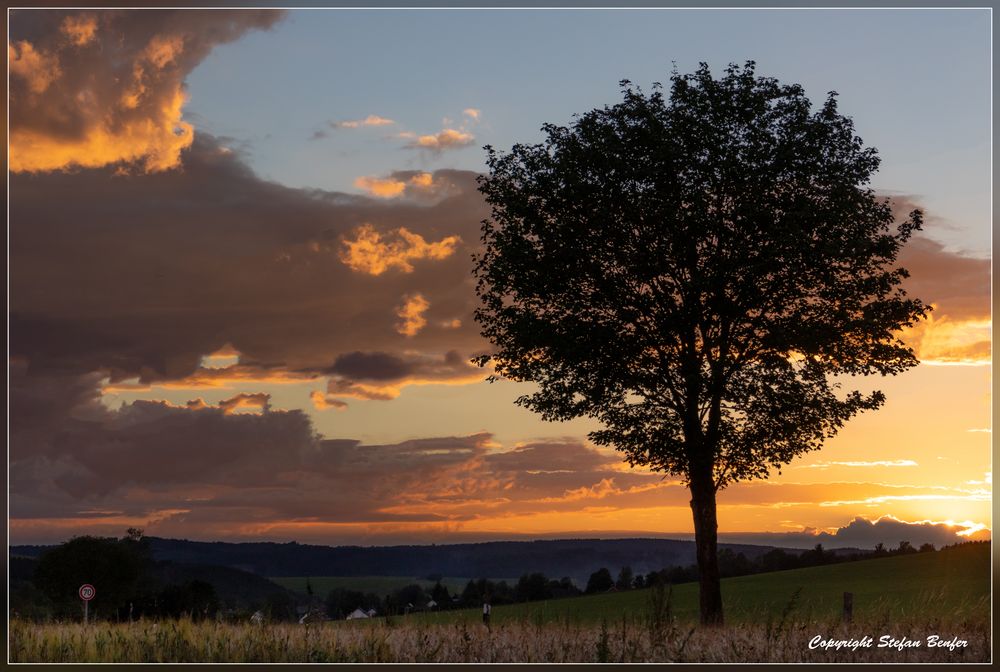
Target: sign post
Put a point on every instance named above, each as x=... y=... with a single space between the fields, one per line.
x=87 y=593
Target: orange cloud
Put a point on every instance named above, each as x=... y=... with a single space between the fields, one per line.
x=38 y=69
x=117 y=104
x=370 y=120
x=945 y=340
x=158 y=143
x=224 y=357
x=419 y=185
x=412 y=314
x=206 y=377
x=259 y=401
x=163 y=50
x=448 y=138
x=156 y=137
x=424 y=180
x=382 y=188
x=861 y=463
x=81 y=29
x=370 y=253
x=322 y=402
x=472 y=113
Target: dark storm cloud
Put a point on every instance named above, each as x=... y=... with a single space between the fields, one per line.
x=380 y=375
x=372 y=366
x=211 y=468
x=959 y=285
x=143 y=275
x=550 y=457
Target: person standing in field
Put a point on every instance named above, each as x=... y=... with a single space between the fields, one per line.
x=486 y=611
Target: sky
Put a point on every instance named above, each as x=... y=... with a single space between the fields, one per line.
x=240 y=290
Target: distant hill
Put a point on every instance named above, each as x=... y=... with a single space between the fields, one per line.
x=575 y=558
x=234 y=587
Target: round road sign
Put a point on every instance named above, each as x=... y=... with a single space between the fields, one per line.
x=87 y=592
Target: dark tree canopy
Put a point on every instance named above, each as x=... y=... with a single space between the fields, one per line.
x=700 y=275
x=113 y=566
x=696 y=273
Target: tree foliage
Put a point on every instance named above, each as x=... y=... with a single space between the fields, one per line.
x=113 y=566
x=600 y=581
x=698 y=268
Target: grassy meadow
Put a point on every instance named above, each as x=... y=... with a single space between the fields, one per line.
x=770 y=617
x=948 y=583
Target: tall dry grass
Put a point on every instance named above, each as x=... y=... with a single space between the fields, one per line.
x=624 y=640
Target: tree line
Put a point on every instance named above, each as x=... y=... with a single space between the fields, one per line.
x=131 y=585
x=534 y=587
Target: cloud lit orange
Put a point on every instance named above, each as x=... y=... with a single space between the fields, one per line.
x=448 y=138
x=38 y=69
x=372 y=253
x=80 y=29
x=941 y=339
x=411 y=314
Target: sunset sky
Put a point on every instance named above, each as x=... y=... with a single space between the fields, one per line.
x=240 y=278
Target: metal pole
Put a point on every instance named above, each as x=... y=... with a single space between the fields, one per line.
x=848 y=607
x=86 y=610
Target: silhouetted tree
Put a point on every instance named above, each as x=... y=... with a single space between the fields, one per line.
x=777 y=560
x=624 y=581
x=440 y=594
x=600 y=581
x=815 y=556
x=696 y=274
x=531 y=587
x=564 y=587
x=113 y=566
x=341 y=601
x=733 y=564
x=927 y=548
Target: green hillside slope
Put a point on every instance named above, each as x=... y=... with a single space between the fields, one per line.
x=952 y=583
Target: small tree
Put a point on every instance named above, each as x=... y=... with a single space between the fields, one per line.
x=699 y=275
x=600 y=581
x=624 y=581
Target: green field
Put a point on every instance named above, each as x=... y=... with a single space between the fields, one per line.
x=948 y=584
x=379 y=585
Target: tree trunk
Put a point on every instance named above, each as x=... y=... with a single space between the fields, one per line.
x=706 y=537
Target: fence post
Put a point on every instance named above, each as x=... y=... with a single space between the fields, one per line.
x=848 y=607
